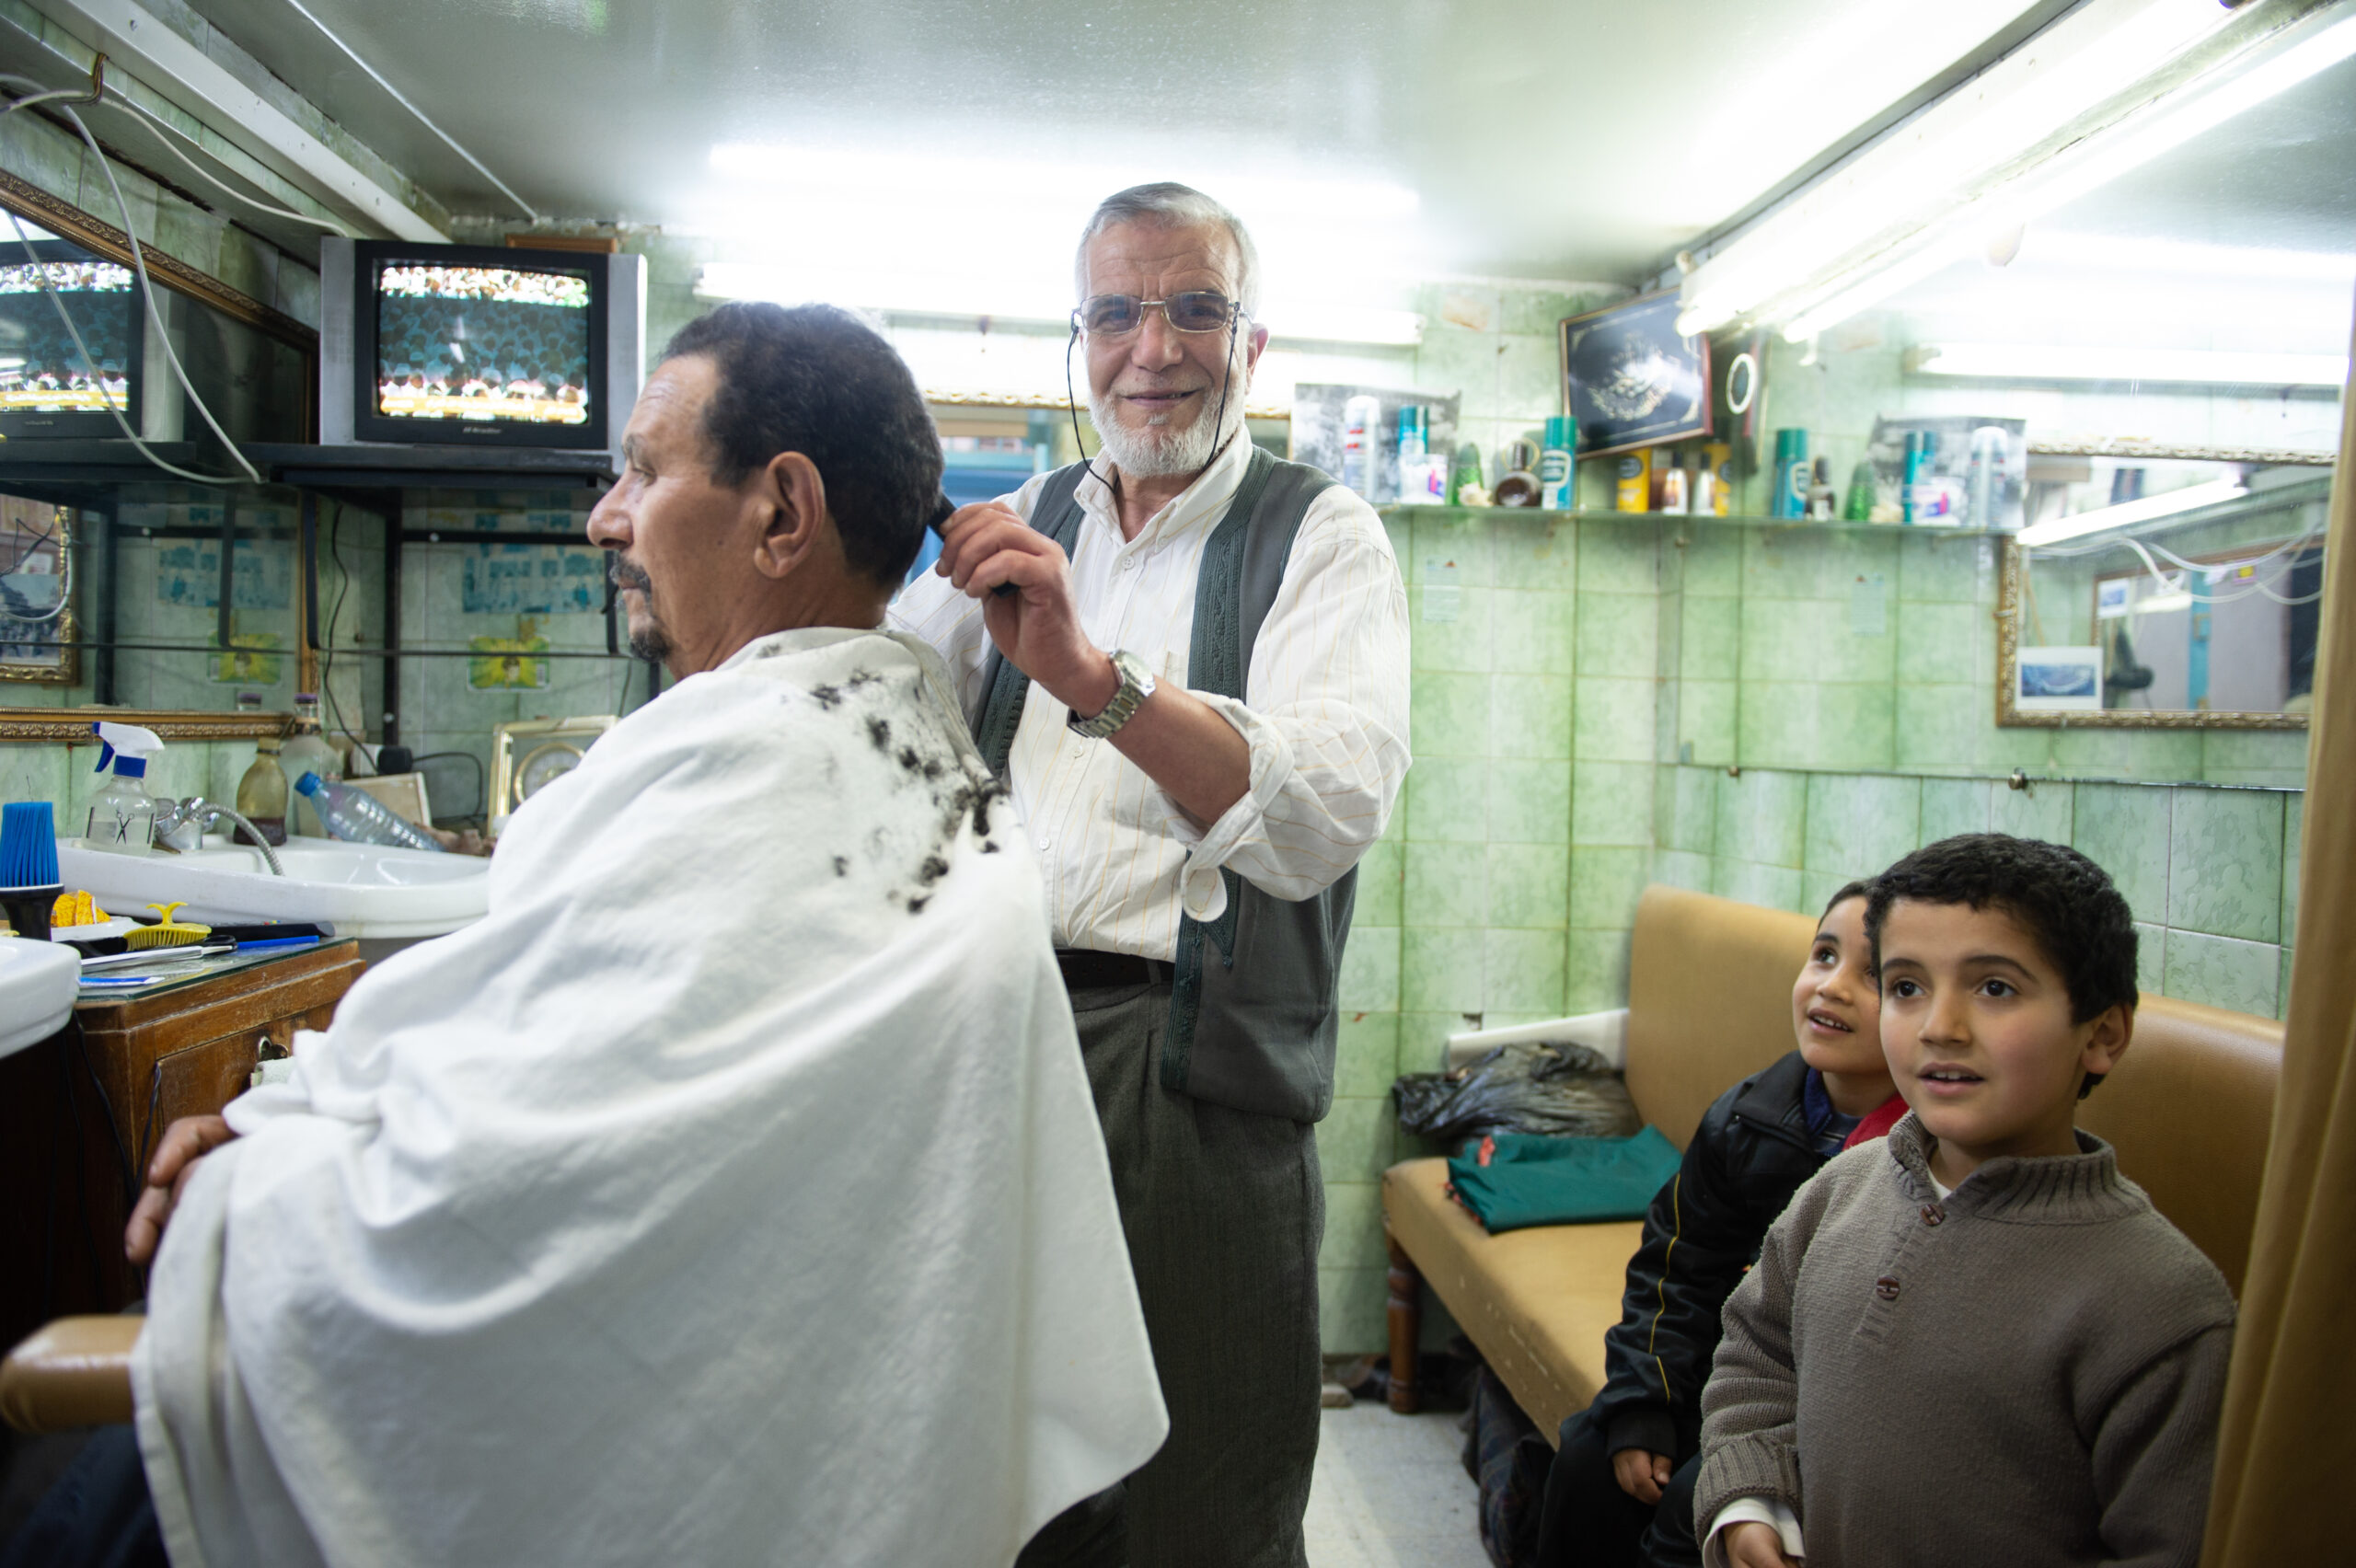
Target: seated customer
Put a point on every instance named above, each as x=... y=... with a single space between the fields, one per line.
x=731 y=1192
x=1621 y=1487
x=1979 y=1343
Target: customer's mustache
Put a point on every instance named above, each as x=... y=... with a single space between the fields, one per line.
x=626 y=576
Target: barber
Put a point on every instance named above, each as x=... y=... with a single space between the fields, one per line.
x=1197 y=690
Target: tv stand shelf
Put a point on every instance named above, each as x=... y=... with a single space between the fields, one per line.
x=457 y=467
x=52 y=463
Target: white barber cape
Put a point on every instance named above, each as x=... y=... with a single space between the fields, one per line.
x=730 y=1194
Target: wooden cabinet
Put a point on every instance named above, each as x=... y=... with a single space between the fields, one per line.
x=80 y=1112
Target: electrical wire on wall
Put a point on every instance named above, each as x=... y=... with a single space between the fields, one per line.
x=64 y=99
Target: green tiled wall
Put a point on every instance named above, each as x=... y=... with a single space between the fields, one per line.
x=2210 y=871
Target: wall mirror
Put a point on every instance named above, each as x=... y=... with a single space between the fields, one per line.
x=121 y=585
x=2194 y=605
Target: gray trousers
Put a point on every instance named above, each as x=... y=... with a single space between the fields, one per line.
x=1223 y=1210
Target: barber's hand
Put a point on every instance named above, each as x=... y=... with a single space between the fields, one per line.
x=1753 y=1545
x=185 y=1143
x=1037 y=626
x=1641 y=1474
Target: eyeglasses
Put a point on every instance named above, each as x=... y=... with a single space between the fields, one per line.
x=1120 y=316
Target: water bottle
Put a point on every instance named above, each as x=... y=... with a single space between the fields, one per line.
x=358 y=817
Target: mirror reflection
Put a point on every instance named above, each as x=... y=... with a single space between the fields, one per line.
x=2195 y=590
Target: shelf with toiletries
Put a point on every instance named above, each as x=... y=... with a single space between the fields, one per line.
x=1447 y=515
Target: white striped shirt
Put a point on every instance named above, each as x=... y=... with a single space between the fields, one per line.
x=1324 y=713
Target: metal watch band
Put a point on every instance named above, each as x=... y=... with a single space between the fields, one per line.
x=1136 y=685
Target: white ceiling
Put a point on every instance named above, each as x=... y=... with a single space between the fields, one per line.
x=1573 y=139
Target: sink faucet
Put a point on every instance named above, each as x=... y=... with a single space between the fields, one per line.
x=180 y=827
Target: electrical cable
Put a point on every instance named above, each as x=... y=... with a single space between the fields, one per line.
x=156 y=125
x=147 y=291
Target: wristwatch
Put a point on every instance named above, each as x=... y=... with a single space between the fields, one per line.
x=1136 y=685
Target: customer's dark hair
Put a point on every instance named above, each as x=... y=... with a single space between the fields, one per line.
x=2062 y=900
x=816 y=379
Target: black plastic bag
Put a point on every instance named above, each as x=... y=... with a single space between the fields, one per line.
x=1559 y=1090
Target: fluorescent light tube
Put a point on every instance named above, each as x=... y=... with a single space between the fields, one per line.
x=1927 y=194
x=2161 y=604
x=2166 y=504
x=1023 y=299
x=2055 y=362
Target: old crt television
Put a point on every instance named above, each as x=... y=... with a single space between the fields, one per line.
x=470 y=345
x=48 y=388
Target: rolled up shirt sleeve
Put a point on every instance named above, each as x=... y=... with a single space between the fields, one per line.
x=1326 y=718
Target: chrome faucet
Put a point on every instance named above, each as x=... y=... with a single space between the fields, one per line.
x=180 y=827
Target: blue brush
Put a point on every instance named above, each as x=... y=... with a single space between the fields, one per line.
x=29 y=883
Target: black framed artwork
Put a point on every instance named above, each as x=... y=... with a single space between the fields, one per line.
x=1631 y=380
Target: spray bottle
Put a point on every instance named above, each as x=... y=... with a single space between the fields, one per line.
x=122 y=813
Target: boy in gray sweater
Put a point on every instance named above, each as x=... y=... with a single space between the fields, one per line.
x=1976 y=1342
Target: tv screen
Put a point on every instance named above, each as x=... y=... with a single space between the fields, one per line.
x=463 y=344
x=48 y=387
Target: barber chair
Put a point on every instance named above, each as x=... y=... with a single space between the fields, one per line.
x=72 y=1372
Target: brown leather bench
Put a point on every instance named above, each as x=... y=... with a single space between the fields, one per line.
x=1709 y=1002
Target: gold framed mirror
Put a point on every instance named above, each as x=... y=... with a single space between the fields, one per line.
x=2208 y=624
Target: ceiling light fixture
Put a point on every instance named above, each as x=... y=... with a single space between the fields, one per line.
x=2055 y=362
x=1023 y=299
x=2166 y=504
x=2104 y=90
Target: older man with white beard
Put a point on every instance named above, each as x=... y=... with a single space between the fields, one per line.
x=1189 y=661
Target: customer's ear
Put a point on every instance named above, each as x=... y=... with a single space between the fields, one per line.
x=793 y=496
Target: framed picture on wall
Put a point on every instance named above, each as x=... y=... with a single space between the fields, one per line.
x=2059 y=680
x=35 y=593
x=1631 y=381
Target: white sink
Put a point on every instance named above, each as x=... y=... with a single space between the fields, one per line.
x=38 y=984
x=362 y=890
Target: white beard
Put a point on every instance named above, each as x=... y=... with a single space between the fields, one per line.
x=1159 y=449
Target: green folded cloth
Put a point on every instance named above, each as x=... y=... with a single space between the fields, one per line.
x=1532 y=1180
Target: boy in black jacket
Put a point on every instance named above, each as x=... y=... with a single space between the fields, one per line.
x=1620 y=1492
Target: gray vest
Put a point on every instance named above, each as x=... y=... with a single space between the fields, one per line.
x=1253 y=1025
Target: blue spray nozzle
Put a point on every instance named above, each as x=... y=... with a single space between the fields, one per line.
x=127 y=747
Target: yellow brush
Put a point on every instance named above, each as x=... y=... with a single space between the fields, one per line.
x=167 y=932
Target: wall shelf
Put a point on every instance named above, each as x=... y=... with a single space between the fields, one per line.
x=1451 y=514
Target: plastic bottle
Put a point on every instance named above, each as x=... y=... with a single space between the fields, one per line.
x=1415 y=464
x=122 y=820
x=1791 y=474
x=1359 y=417
x=1915 y=496
x=1673 y=489
x=306 y=751
x=1634 y=492
x=1465 y=475
x=357 y=817
x=1557 y=470
x=1823 y=502
x=261 y=793
x=1863 y=494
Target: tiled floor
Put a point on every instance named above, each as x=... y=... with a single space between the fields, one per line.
x=1390 y=1492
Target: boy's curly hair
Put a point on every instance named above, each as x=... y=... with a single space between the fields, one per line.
x=2062 y=900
